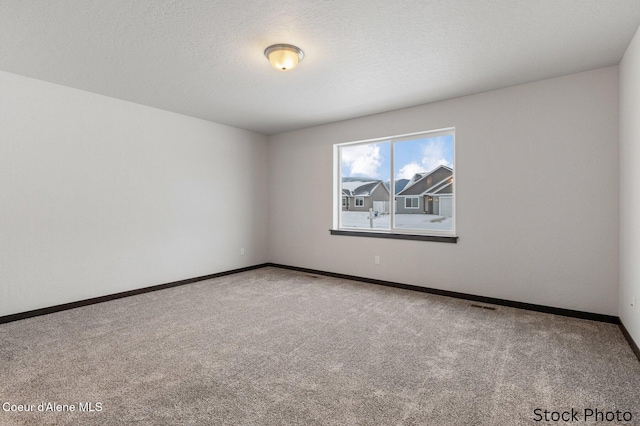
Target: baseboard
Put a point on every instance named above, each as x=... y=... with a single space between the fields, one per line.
x=94 y=300
x=520 y=305
x=490 y=300
x=632 y=343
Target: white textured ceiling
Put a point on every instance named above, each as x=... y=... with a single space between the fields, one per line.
x=204 y=58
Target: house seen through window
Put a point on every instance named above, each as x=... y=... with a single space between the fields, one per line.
x=402 y=184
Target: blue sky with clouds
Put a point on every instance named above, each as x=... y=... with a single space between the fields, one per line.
x=414 y=156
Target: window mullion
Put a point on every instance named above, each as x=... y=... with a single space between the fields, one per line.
x=339 y=213
x=392 y=187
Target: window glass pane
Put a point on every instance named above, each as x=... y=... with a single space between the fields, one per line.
x=423 y=171
x=364 y=174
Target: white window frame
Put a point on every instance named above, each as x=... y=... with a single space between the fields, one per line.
x=411 y=197
x=360 y=203
x=337 y=186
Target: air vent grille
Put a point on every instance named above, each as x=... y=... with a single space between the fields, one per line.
x=490 y=308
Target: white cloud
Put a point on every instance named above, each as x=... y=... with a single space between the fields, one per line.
x=409 y=170
x=431 y=163
x=362 y=160
x=434 y=154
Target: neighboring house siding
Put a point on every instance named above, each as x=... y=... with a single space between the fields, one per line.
x=426 y=201
x=363 y=208
x=349 y=204
x=368 y=194
x=401 y=209
x=447 y=190
x=381 y=193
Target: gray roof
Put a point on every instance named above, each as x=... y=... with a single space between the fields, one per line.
x=359 y=188
x=419 y=177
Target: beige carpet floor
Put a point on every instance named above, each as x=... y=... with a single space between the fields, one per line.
x=278 y=347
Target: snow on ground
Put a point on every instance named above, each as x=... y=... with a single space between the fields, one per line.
x=405 y=221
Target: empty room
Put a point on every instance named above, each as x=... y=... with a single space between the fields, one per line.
x=319 y=212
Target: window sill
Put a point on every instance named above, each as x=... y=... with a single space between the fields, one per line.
x=414 y=237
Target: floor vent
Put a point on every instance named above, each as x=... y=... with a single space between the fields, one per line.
x=491 y=308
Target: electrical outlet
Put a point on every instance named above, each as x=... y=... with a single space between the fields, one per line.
x=242 y=251
x=376 y=259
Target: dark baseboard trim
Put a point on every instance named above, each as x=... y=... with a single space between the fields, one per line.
x=632 y=343
x=491 y=300
x=94 y=300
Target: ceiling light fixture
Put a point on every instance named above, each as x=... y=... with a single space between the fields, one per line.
x=284 y=57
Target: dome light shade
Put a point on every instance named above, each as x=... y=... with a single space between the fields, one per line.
x=284 y=57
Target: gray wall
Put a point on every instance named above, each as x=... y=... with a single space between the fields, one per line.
x=630 y=188
x=512 y=146
x=99 y=196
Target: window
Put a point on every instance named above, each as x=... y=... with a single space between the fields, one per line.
x=413 y=174
x=411 y=202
